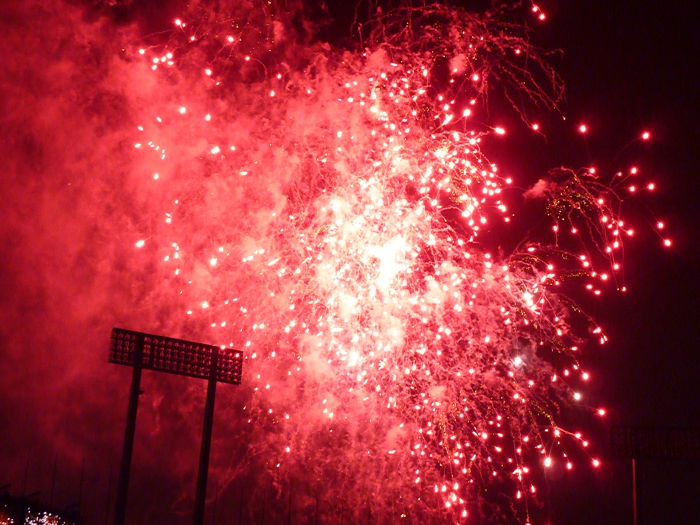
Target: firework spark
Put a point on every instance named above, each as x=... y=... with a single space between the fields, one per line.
x=331 y=211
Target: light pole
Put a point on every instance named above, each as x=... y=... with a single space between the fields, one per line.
x=175 y=356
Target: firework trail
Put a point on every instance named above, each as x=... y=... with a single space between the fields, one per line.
x=330 y=212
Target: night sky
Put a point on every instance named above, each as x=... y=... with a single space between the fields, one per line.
x=66 y=279
x=631 y=65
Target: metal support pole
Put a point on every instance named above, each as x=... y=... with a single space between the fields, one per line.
x=129 y=431
x=203 y=472
x=634 y=491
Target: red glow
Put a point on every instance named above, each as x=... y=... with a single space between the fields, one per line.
x=334 y=225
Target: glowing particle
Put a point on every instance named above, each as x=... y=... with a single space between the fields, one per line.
x=372 y=278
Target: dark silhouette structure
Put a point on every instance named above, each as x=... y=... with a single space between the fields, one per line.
x=659 y=443
x=186 y=358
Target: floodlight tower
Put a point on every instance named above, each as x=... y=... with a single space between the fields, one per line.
x=174 y=356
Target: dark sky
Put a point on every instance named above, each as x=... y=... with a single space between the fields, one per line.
x=632 y=65
x=628 y=66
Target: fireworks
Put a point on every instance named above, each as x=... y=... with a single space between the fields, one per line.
x=331 y=212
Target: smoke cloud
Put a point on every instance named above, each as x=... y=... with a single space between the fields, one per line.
x=224 y=173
